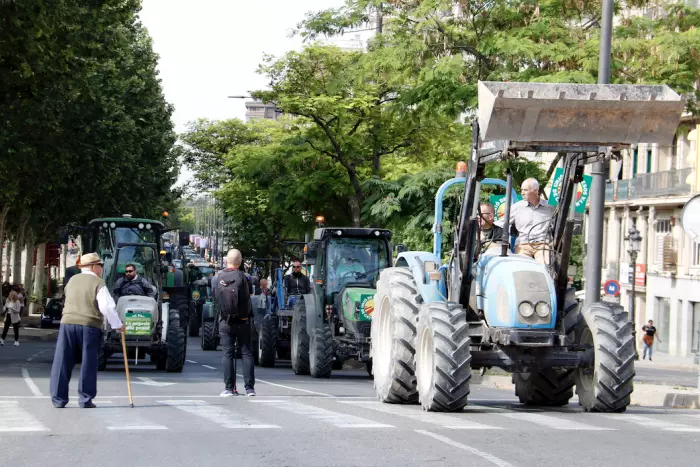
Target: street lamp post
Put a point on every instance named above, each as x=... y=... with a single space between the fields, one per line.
x=635 y=242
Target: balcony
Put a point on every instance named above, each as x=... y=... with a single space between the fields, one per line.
x=659 y=184
x=668 y=183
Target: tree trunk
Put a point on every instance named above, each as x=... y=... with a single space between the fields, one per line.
x=40 y=279
x=3 y=216
x=355 y=210
x=17 y=248
x=29 y=264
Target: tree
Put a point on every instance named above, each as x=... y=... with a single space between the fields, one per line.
x=353 y=102
x=86 y=130
x=505 y=40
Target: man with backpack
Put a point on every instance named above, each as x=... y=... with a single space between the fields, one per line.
x=232 y=290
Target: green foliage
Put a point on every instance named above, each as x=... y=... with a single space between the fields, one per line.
x=355 y=109
x=274 y=185
x=86 y=130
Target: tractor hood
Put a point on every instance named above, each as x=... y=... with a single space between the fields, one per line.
x=357 y=303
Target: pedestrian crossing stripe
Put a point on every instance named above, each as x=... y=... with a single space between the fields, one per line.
x=17 y=417
x=556 y=423
x=337 y=419
x=415 y=413
x=14 y=418
x=216 y=414
x=651 y=422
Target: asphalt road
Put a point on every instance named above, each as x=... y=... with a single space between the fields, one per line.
x=179 y=419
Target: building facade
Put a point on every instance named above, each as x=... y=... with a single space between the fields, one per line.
x=257 y=110
x=647 y=189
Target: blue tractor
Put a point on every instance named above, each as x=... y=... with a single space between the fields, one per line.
x=436 y=319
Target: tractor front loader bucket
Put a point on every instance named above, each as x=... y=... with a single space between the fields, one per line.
x=596 y=114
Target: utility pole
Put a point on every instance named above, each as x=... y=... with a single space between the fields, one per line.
x=594 y=263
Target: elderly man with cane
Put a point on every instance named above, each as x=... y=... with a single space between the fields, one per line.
x=88 y=303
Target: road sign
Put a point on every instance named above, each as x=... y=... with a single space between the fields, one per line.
x=612 y=287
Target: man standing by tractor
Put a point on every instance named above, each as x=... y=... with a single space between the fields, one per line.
x=88 y=303
x=296 y=283
x=133 y=284
x=232 y=291
x=531 y=217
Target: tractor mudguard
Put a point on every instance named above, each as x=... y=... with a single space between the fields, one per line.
x=314 y=313
x=431 y=290
x=208 y=312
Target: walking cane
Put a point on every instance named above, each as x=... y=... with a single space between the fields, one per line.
x=126 y=366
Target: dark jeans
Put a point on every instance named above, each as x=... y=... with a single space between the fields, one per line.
x=8 y=321
x=229 y=333
x=73 y=338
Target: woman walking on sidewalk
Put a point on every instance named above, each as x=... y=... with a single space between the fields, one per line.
x=649 y=333
x=11 y=310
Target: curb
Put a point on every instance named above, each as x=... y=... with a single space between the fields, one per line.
x=644 y=395
x=49 y=335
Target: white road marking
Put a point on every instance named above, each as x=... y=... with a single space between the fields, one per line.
x=14 y=418
x=650 y=422
x=484 y=455
x=415 y=413
x=96 y=401
x=210 y=367
x=336 y=419
x=28 y=379
x=200 y=396
x=553 y=422
x=290 y=387
x=190 y=361
x=218 y=415
x=123 y=419
x=150 y=382
x=137 y=427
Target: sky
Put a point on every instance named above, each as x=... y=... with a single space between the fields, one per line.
x=210 y=49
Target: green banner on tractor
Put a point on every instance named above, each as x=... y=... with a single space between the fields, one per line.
x=582 y=190
x=138 y=324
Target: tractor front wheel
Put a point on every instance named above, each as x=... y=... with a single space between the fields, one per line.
x=606 y=385
x=300 y=340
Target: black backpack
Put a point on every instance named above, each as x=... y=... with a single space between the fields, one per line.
x=231 y=295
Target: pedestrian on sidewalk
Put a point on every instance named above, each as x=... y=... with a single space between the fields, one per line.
x=649 y=334
x=88 y=303
x=11 y=312
x=232 y=291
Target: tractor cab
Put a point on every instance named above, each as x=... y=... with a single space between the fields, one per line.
x=155 y=324
x=345 y=266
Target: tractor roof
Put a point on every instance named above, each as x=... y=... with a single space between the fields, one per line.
x=350 y=232
x=127 y=221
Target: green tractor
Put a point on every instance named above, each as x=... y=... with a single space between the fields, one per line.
x=154 y=324
x=333 y=323
x=198 y=276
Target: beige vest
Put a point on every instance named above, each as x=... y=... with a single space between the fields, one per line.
x=81 y=301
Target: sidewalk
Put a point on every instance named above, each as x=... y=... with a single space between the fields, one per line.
x=667 y=362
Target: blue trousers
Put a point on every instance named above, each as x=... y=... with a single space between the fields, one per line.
x=73 y=338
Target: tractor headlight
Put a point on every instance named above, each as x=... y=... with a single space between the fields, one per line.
x=526 y=309
x=542 y=309
x=141 y=226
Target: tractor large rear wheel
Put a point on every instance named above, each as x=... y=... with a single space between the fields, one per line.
x=209 y=335
x=393 y=336
x=443 y=357
x=195 y=320
x=176 y=346
x=267 y=342
x=300 y=340
x=321 y=352
x=552 y=387
x=607 y=385
x=548 y=387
